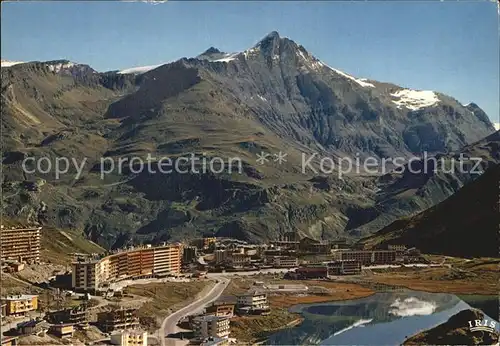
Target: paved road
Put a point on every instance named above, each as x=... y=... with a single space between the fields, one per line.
x=169 y=325
x=255 y=272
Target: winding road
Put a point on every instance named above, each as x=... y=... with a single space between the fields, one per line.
x=169 y=325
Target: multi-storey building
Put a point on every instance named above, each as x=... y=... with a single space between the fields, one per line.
x=86 y=274
x=238 y=259
x=220 y=309
x=130 y=338
x=211 y=326
x=347 y=267
x=221 y=256
x=119 y=319
x=91 y=273
x=20 y=305
x=396 y=247
x=76 y=315
x=308 y=245
x=285 y=262
x=167 y=259
x=255 y=300
x=189 y=254
x=367 y=257
x=21 y=244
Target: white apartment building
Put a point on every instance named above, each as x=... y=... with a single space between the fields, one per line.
x=211 y=326
x=285 y=262
x=220 y=256
x=255 y=300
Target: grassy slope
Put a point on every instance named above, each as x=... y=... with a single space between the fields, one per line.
x=57 y=245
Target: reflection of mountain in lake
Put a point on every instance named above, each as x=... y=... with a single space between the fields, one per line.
x=384 y=318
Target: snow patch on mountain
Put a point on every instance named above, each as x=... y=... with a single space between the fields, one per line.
x=139 y=69
x=7 y=63
x=414 y=99
x=262 y=98
x=227 y=57
x=361 y=82
x=60 y=66
x=249 y=53
x=316 y=64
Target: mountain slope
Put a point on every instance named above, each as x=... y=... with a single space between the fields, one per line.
x=274 y=97
x=464 y=225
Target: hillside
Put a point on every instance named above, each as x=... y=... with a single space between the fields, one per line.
x=58 y=245
x=455 y=331
x=464 y=225
x=273 y=97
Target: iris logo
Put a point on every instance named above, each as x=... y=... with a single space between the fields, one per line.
x=484 y=325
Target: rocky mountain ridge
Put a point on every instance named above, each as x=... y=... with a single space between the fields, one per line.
x=274 y=97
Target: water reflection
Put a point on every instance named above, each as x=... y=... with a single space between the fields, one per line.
x=381 y=319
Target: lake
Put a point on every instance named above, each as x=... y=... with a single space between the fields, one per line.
x=382 y=319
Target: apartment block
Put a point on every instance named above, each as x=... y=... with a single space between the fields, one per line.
x=167 y=259
x=21 y=244
x=367 y=257
x=86 y=274
x=91 y=273
x=76 y=315
x=254 y=300
x=238 y=259
x=396 y=247
x=347 y=267
x=220 y=309
x=119 y=319
x=130 y=338
x=20 y=305
x=211 y=326
x=221 y=256
x=285 y=262
x=189 y=254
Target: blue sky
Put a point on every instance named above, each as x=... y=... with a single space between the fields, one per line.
x=451 y=47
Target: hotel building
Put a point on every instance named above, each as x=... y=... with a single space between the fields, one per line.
x=92 y=273
x=21 y=244
x=211 y=326
x=367 y=257
x=254 y=300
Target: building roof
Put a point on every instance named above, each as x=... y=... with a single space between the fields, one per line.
x=211 y=341
x=62 y=325
x=20 y=297
x=30 y=323
x=209 y=318
x=252 y=293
